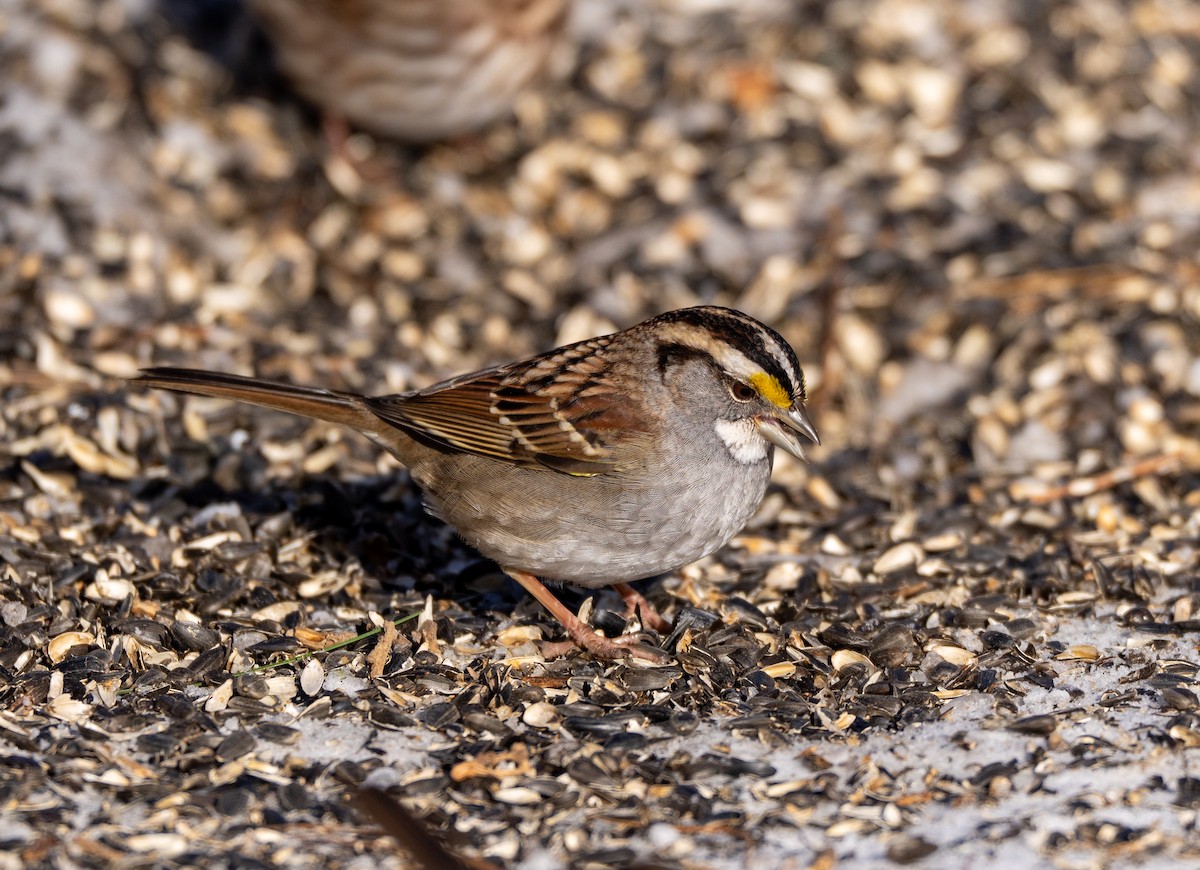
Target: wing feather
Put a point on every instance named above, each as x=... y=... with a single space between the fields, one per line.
x=558 y=410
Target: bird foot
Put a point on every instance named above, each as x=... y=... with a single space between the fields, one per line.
x=583 y=636
x=636 y=605
x=606 y=649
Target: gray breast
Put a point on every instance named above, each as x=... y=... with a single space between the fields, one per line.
x=596 y=531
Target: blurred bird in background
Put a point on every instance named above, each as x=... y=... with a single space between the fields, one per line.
x=415 y=70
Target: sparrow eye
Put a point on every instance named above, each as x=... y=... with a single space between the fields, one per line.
x=742 y=392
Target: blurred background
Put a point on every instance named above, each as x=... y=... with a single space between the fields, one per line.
x=907 y=190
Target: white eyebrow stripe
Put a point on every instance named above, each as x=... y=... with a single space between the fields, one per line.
x=770 y=343
x=728 y=357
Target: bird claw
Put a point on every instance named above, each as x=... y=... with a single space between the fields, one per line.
x=607 y=649
x=636 y=605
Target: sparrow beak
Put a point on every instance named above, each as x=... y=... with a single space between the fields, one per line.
x=784 y=430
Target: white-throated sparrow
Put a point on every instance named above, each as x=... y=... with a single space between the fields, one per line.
x=418 y=70
x=610 y=460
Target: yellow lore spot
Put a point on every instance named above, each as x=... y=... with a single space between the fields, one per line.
x=769 y=388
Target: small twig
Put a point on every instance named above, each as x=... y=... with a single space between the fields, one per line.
x=299 y=657
x=382 y=653
x=827 y=350
x=1031 y=291
x=422 y=845
x=1083 y=486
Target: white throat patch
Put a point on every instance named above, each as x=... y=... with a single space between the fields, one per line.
x=746 y=444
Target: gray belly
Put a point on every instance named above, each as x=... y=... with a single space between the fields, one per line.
x=591 y=531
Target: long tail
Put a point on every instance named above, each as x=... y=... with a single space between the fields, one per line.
x=347 y=409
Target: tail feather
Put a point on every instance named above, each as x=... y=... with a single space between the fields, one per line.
x=347 y=409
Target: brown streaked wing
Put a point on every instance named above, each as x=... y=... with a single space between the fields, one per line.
x=578 y=432
x=456 y=414
x=556 y=410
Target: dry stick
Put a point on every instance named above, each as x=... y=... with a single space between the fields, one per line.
x=379 y=657
x=299 y=657
x=827 y=342
x=1081 y=486
x=421 y=844
x=1030 y=291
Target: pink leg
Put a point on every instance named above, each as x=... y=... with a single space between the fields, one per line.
x=583 y=635
x=637 y=605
